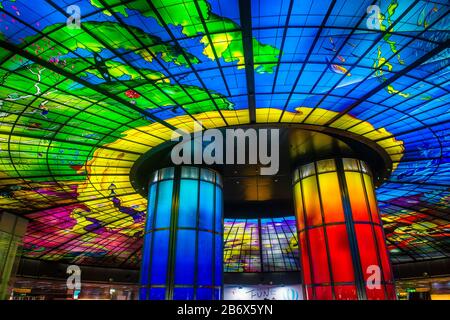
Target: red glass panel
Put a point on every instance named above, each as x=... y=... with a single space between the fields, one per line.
x=369 y=262
x=330 y=193
x=318 y=255
x=312 y=202
x=357 y=196
x=309 y=293
x=385 y=262
x=304 y=252
x=367 y=248
x=391 y=292
x=323 y=293
x=340 y=256
x=375 y=293
x=345 y=292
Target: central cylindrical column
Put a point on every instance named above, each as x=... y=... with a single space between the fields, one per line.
x=182 y=257
x=342 y=244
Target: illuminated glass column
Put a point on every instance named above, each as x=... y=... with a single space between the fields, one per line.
x=182 y=254
x=342 y=245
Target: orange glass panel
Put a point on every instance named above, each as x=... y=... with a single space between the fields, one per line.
x=330 y=193
x=340 y=256
x=357 y=197
x=371 y=198
x=312 y=202
x=299 y=207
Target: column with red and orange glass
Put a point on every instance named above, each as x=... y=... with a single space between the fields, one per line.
x=343 y=249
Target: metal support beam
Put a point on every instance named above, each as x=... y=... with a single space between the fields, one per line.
x=245 y=16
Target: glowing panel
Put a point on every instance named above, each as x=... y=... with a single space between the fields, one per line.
x=181 y=257
x=342 y=256
x=257 y=245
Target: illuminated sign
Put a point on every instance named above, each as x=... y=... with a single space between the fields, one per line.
x=263 y=292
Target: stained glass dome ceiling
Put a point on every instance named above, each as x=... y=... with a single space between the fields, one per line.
x=87 y=89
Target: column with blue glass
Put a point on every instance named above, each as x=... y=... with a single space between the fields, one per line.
x=182 y=257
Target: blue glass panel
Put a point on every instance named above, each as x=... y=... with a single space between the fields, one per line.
x=219 y=210
x=205 y=260
x=206 y=205
x=217 y=294
x=151 y=208
x=187 y=216
x=157 y=293
x=159 y=257
x=204 y=294
x=218 y=260
x=146 y=258
x=183 y=294
x=143 y=293
x=164 y=205
x=185 y=257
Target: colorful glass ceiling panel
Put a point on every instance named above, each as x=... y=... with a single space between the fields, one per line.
x=87 y=87
x=261 y=245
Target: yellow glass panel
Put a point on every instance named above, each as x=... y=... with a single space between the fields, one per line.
x=343 y=123
x=312 y=202
x=299 y=207
x=361 y=128
x=381 y=133
x=330 y=193
x=297 y=116
x=262 y=115
x=357 y=197
x=320 y=116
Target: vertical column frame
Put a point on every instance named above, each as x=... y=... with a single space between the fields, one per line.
x=324 y=227
x=173 y=233
x=359 y=277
